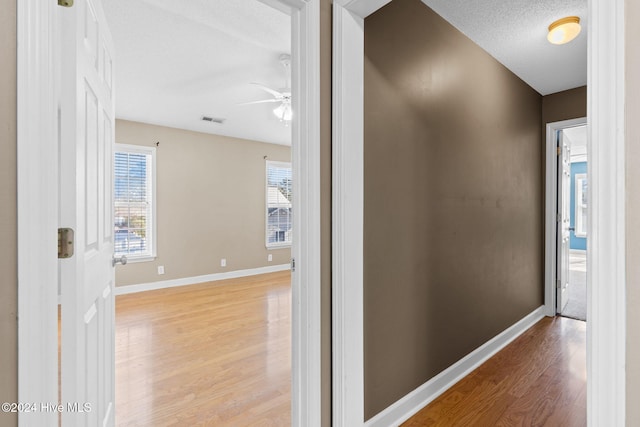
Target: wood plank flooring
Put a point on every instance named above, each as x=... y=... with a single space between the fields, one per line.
x=205 y=355
x=540 y=379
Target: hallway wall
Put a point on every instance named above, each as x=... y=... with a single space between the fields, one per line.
x=453 y=230
x=565 y=105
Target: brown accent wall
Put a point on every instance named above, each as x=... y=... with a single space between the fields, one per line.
x=453 y=229
x=632 y=58
x=210 y=203
x=8 y=214
x=565 y=105
x=325 y=204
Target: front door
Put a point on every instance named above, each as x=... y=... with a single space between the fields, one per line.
x=86 y=114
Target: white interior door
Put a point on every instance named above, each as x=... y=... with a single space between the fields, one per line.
x=564 y=223
x=87 y=278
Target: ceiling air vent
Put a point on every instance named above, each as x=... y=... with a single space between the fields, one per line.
x=213 y=119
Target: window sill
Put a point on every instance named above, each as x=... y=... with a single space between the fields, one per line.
x=137 y=259
x=279 y=246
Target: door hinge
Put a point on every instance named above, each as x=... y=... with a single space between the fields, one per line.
x=559 y=284
x=293 y=264
x=65 y=3
x=558 y=150
x=65 y=242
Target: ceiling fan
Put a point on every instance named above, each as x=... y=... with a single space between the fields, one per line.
x=283 y=96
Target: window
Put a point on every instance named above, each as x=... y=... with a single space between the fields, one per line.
x=134 y=202
x=581 y=204
x=279 y=198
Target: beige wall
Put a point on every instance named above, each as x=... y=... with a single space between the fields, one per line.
x=632 y=211
x=453 y=225
x=8 y=223
x=210 y=203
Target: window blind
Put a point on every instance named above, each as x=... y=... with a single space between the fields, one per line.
x=133 y=203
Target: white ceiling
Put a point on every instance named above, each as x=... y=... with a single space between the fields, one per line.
x=515 y=33
x=177 y=61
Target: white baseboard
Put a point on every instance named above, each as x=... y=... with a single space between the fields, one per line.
x=130 y=289
x=410 y=404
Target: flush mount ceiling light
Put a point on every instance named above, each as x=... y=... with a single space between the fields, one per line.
x=564 y=30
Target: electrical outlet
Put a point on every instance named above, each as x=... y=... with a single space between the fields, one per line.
x=223 y=262
x=270 y=257
x=161 y=269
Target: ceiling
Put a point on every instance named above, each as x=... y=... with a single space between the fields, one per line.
x=515 y=33
x=177 y=61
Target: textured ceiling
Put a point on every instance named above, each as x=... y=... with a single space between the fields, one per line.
x=177 y=61
x=515 y=33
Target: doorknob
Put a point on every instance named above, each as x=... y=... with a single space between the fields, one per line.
x=122 y=260
x=571 y=229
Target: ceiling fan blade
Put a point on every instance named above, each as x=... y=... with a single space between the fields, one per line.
x=260 y=102
x=269 y=90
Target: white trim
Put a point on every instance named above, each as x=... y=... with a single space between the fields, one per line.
x=306 y=362
x=606 y=287
x=37 y=204
x=37 y=175
x=186 y=281
x=579 y=158
x=551 y=209
x=606 y=306
x=347 y=227
x=410 y=404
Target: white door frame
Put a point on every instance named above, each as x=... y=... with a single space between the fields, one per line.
x=551 y=209
x=606 y=308
x=37 y=163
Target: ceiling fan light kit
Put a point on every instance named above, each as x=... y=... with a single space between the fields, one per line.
x=564 y=30
x=283 y=111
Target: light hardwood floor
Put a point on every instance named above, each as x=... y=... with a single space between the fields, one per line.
x=205 y=355
x=538 y=380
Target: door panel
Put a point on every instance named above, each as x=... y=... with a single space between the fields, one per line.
x=87 y=279
x=564 y=223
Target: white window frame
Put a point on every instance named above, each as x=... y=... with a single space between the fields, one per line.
x=273 y=245
x=152 y=229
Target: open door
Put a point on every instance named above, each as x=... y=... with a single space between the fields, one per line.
x=564 y=221
x=86 y=114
